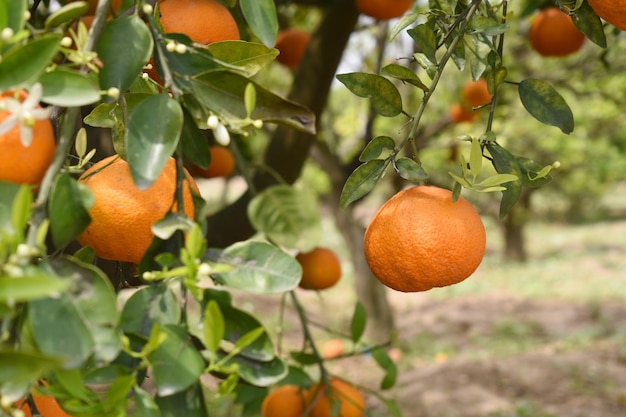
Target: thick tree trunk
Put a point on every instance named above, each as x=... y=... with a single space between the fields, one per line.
x=513 y=228
x=289 y=148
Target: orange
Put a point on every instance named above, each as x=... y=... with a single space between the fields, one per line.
x=222 y=164
x=122 y=215
x=284 y=401
x=332 y=349
x=613 y=11
x=321 y=269
x=351 y=400
x=46 y=405
x=116 y=5
x=204 y=21
x=476 y=93
x=460 y=113
x=554 y=34
x=383 y=9
x=420 y=239
x=291 y=43
x=26 y=164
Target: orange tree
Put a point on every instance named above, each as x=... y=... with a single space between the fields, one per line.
x=64 y=320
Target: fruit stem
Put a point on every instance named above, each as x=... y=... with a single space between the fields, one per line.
x=308 y=337
x=500 y=49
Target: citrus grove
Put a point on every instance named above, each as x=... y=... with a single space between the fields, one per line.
x=125 y=291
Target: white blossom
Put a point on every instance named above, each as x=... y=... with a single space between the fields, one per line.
x=26 y=114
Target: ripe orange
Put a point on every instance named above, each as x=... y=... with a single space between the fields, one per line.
x=204 y=21
x=383 y=9
x=46 y=405
x=284 y=401
x=26 y=164
x=476 y=93
x=553 y=33
x=222 y=164
x=351 y=400
x=613 y=11
x=321 y=269
x=291 y=43
x=116 y=5
x=123 y=214
x=420 y=239
x=460 y=113
x=332 y=349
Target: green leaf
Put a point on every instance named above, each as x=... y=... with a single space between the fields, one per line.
x=21 y=208
x=487 y=26
x=170 y=224
x=505 y=163
x=261 y=18
x=154 y=128
x=15 y=15
x=425 y=38
x=287 y=216
x=497 y=180
x=223 y=92
x=249 y=98
x=545 y=104
x=65 y=14
x=146 y=405
x=106 y=115
x=385 y=97
x=476 y=158
x=588 y=22
x=176 y=364
x=403 y=74
x=68 y=208
x=59 y=330
x=258 y=267
x=261 y=374
x=124 y=47
x=24 y=367
x=531 y=170
x=213 y=325
x=410 y=170
x=358 y=322
x=188 y=403
x=67 y=88
x=247 y=58
x=195 y=145
x=391 y=370
x=8 y=191
x=362 y=181
x=35 y=285
x=376 y=148
x=149 y=305
x=23 y=64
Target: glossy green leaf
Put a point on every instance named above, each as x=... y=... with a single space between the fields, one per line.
x=23 y=64
x=588 y=22
x=376 y=148
x=246 y=57
x=153 y=131
x=195 y=143
x=170 y=224
x=213 y=326
x=146 y=406
x=14 y=16
x=24 y=367
x=68 y=208
x=261 y=374
x=106 y=115
x=60 y=331
x=403 y=74
x=223 y=92
x=426 y=40
x=176 y=364
x=187 y=64
x=505 y=163
x=37 y=284
x=94 y=297
x=362 y=181
x=410 y=170
x=147 y=306
x=545 y=104
x=391 y=370
x=288 y=216
x=258 y=267
x=67 y=88
x=261 y=18
x=66 y=13
x=189 y=403
x=124 y=47
x=358 y=322
x=386 y=99
x=497 y=179
x=72 y=381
